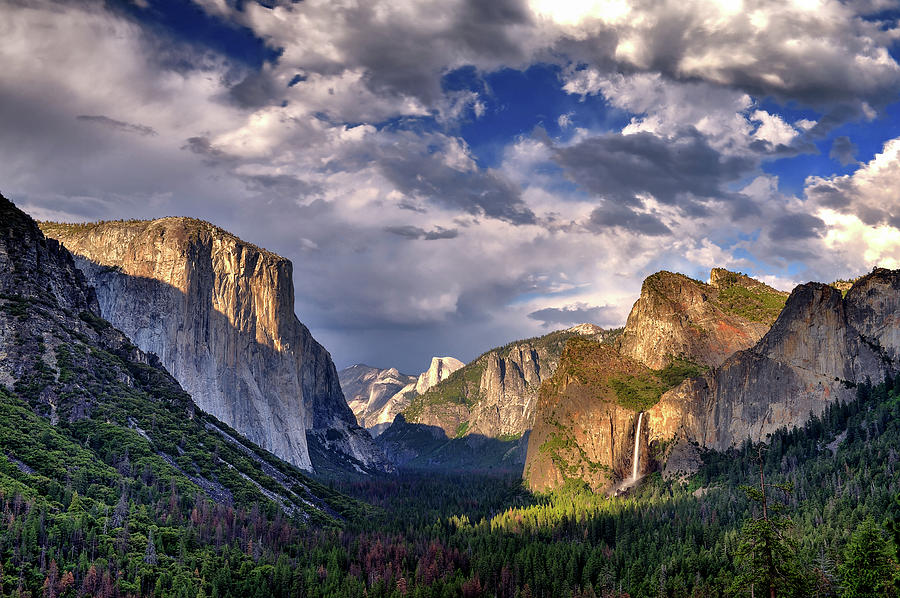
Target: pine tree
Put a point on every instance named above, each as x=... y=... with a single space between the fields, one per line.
x=767 y=554
x=867 y=567
x=150 y=553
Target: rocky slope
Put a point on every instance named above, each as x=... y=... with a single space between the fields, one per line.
x=84 y=409
x=585 y=422
x=481 y=415
x=376 y=396
x=219 y=313
x=818 y=349
x=583 y=430
x=679 y=316
x=368 y=389
x=494 y=395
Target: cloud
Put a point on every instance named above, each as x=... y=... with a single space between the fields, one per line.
x=821 y=53
x=681 y=171
x=414 y=232
x=843 y=150
x=612 y=215
x=118 y=125
x=345 y=146
x=870 y=193
x=795 y=226
x=446 y=176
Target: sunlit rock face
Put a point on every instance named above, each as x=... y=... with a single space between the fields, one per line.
x=495 y=395
x=676 y=315
x=583 y=429
x=820 y=347
x=218 y=312
x=376 y=395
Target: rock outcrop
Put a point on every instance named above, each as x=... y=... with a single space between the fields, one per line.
x=219 y=314
x=679 y=316
x=820 y=347
x=79 y=400
x=439 y=370
x=582 y=431
x=584 y=426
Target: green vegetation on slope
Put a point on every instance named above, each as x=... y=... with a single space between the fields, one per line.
x=595 y=366
x=462 y=387
x=643 y=391
x=755 y=302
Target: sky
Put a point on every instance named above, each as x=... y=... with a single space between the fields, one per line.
x=450 y=175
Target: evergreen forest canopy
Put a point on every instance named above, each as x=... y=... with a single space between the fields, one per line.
x=831 y=487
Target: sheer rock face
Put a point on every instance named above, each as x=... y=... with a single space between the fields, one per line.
x=498 y=399
x=581 y=431
x=820 y=346
x=676 y=315
x=581 y=428
x=439 y=370
x=219 y=314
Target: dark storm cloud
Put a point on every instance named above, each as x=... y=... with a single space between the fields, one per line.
x=408 y=58
x=414 y=232
x=406 y=231
x=118 y=125
x=579 y=313
x=256 y=90
x=616 y=216
x=202 y=146
x=843 y=150
x=828 y=194
x=796 y=226
x=485 y=192
x=283 y=185
x=676 y=172
x=403 y=52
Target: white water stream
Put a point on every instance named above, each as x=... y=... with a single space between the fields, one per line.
x=637 y=450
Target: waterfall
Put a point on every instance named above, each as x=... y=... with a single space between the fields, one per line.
x=637 y=449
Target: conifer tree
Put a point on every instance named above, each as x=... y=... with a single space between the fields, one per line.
x=767 y=554
x=867 y=567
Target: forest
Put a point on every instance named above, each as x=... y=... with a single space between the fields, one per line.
x=831 y=526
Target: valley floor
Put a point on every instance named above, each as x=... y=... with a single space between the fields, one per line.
x=835 y=532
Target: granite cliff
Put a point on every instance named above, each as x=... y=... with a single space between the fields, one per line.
x=820 y=347
x=679 y=327
x=376 y=396
x=691 y=391
x=495 y=394
x=679 y=316
x=85 y=409
x=219 y=314
x=482 y=414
